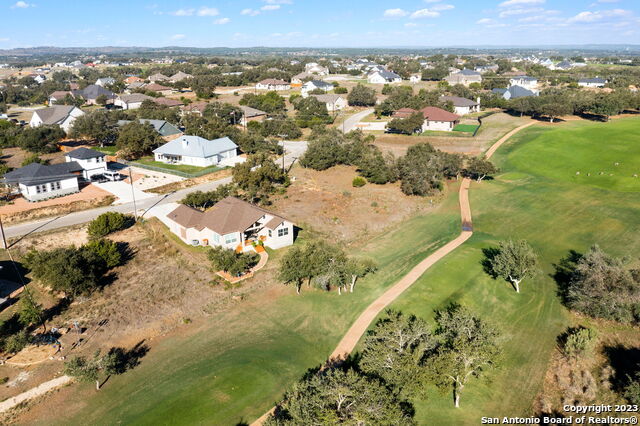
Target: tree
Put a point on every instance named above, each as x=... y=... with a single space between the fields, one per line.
x=362 y=95
x=83 y=369
x=99 y=125
x=102 y=99
x=632 y=389
x=39 y=139
x=290 y=271
x=235 y=264
x=359 y=268
x=554 y=107
x=467 y=347
x=203 y=86
x=203 y=200
x=33 y=158
x=479 y=168
x=108 y=223
x=269 y=102
x=258 y=178
x=106 y=250
x=136 y=139
x=311 y=111
x=151 y=110
x=31 y=311
x=396 y=350
x=514 y=261
x=409 y=125
x=578 y=341
x=334 y=396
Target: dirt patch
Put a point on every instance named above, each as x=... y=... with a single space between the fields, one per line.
x=174 y=186
x=328 y=203
x=21 y=210
x=13 y=157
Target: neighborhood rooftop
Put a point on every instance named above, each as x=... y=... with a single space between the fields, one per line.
x=195 y=146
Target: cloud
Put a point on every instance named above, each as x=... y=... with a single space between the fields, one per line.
x=278 y=1
x=395 y=13
x=222 y=21
x=178 y=37
x=183 y=12
x=586 y=17
x=22 y=5
x=250 y=12
x=485 y=21
x=270 y=7
x=510 y=3
x=432 y=1
x=519 y=11
x=208 y=11
x=443 y=7
x=410 y=25
x=2 y=39
x=424 y=13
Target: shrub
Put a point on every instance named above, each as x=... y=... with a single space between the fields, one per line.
x=579 y=342
x=632 y=389
x=358 y=182
x=340 y=90
x=108 y=223
x=233 y=263
x=106 y=250
x=17 y=342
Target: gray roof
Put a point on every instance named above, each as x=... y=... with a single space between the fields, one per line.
x=195 y=146
x=36 y=174
x=106 y=80
x=83 y=153
x=519 y=92
x=499 y=91
x=388 y=75
x=468 y=72
x=596 y=80
x=134 y=97
x=93 y=91
x=249 y=112
x=164 y=128
x=55 y=114
x=458 y=101
x=320 y=83
x=524 y=78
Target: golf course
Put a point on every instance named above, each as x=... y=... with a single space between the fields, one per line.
x=561 y=187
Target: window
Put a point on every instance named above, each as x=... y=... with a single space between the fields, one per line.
x=282 y=232
x=216 y=238
x=270 y=233
x=230 y=238
x=41 y=188
x=55 y=186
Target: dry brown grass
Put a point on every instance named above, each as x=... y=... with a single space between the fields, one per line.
x=187 y=183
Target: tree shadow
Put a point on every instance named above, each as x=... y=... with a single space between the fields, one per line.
x=60 y=306
x=126 y=252
x=564 y=272
x=128 y=359
x=490 y=253
x=625 y=362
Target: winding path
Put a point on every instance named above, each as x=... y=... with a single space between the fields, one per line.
x=360 y=326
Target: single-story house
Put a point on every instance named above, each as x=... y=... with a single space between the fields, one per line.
x=312 y=85
x=482 y=69
x=524 y=81
x=464 y=77
x=132 y=101
x=38 y=182
x=231 y=223
x=105 y=81
x=383 y=76
x=179 y=76
x=158 y=88
x=133 y=79
x=298 y=79
x=158 y=77
x=168 y=102
x=136 y=85
x=251 y=114
x=165 y=129
x=62 y=115
x=58 y=96
x=91 y=93
x=91 y=161
x=273 y=84
x=439 y=119
x=462 y=106
x=314 y=68
x=592 y=82
x=195 y=108
x=515 y=92
x=197 y=151
x=333 y=102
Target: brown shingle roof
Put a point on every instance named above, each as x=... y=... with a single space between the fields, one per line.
x=156 y=87
x=438 y=114
x=273 y=81
x=403 y=113
x=167 y=102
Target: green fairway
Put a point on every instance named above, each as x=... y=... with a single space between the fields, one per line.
x=465 y=128
x=532 y=200
x=238 y=364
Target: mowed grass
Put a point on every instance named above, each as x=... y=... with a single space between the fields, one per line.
x=532 y=200
x=240 y=362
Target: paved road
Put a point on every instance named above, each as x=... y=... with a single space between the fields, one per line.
x=363 y=322
x=351 y=122
x=293 y=150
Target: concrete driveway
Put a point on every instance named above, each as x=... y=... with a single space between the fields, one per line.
x=122 y=191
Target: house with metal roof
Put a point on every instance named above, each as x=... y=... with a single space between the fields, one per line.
x=312 y=85
x=91 y=93
x=197 y=151
x=592 y=82
x=61 y=115
x=37 y=182
x=514 y=92
x=165 y=129
x=383 y=77
x=231 y=223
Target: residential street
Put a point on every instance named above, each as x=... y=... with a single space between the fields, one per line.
x=351 y=122
x=149 y=206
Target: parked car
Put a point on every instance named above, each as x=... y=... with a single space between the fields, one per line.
x=112 y=175
x=99 y=178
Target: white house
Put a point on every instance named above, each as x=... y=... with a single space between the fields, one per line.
x=273 y=84
x=438 y=119
x=592 y=82
x=132 y=101
x=62 y=115
x=231 y=223
x=312 y=85
x=415 y=78
x=333 y=102
x=105 y=81
x=197 y=151
x=58 y=96
x=38 y=182
x=529 y=83
x=92 y=162
x=314 y=68
x=382 y=77
x=465 y=77
x=462 y=106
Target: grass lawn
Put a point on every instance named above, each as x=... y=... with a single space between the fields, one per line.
x=533 y=200
x=465 y=128
x=239 y=362
x=149 y=161
x=109 y=150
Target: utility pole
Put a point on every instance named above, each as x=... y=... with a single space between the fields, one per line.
x=4 y=239
x=133 y=193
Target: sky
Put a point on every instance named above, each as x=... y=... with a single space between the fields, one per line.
x=327 y=23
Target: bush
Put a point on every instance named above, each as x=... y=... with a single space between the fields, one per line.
x=358 y=182
x=17 y=342
x=106 y=250
x=340 y=90
x=108 y=223
x=235 y=264
x=579 y=342
x=632 y=389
